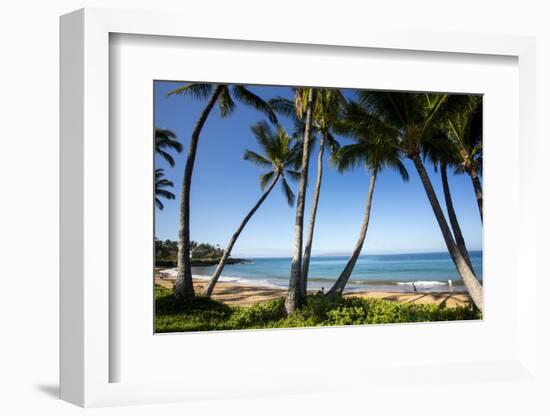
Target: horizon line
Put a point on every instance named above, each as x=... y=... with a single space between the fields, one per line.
x=329 y=254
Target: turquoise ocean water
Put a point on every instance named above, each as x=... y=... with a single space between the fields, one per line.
x=432 y=272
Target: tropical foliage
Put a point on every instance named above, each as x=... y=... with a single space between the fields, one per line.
x=205 y=314
x=464 y=142
x=165 y=141
x=161 y=183
x=168 y=250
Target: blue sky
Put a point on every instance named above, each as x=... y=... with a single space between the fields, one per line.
x=225 y=187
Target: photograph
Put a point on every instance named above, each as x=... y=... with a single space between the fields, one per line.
x=301 y=206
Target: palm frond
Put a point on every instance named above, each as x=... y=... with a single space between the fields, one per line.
x=257 y=159
x=168 y=137
x=294 y=158
x=351 y=156
x=284 y=107
x=165 y=194
x=159 y=173
x=245 y=96
x=398 y=165
x=461 y=121
x=167 y=156
x=332 y=143
x=287 y=191
x=280 y=154
x=196 y=90
x=434 y=104
x=377 y=142
x=328 y=105
x=166 y=140
x=226 y=103
x=160 y=184
x=265 y=137
x=294 y=175
x=391 y=107
x=439 y=147
x=357 y=120
x=266 y=178
x=165 y=183
x=158 y=203
x=301 y=99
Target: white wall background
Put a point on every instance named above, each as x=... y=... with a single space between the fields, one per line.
x=29 y=82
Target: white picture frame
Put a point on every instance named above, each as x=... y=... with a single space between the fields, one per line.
x=86 y=332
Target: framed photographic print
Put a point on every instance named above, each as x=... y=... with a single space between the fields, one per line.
x=288 y=211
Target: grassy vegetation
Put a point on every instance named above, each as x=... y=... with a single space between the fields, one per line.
x=206 y=314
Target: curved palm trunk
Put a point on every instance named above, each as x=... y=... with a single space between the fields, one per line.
x=234 y=238
x=184 y=280
x=479 y=193
x=295 y=295
x=311 y=226
x=342 y=280
x=475 y=289
x=459 y=238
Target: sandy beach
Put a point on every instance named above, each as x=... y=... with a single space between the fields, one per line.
x=238 y=294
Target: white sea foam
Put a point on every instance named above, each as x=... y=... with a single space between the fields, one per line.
x=249 y=282
x=229 y=279
x=420 y=284
x=170 y=272
x=424 y=284
x=240 y=280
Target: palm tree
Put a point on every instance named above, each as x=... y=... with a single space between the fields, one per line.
x=375 y=152
x=303 y=107
x=327 y=110
x=224 y=95
x=166 y=140
x=281 y=155
x=443 y=153
x=160 y=192
x=414 y=117
x=464 y=130
x=328 y=102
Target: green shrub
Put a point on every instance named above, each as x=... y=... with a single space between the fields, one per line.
x=205 y=314
x=202 y=314
x=257 y=316
x=166 y=263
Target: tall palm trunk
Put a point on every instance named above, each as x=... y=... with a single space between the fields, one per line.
x=473 y=285
x=342 y=280
x=479 y=193
x=235 y=236
x=311 y=226
x=459 y=238
x=295 y=295
x=184 y=280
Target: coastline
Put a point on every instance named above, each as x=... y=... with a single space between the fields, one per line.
x=236 y=293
